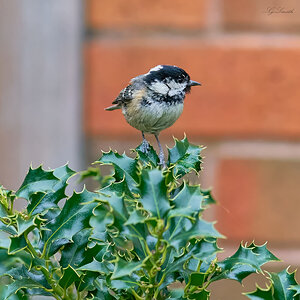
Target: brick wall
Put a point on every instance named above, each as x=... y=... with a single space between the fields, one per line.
x=246 y=53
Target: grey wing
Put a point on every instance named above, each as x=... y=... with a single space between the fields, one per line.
x=125 y=95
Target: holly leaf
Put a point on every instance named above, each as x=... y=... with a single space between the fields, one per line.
x=187 y=203
x=153 y=192
x=125 y=168
x=199 y=229
x=24 y=224
x=263 y=254
x=261 y=294
x=203 y=295
x=176 y=294
x=135 y=217
x=120 y=188
x=37 y=180
x=125 y=268
x=22 y=278
x=69 y=276
x=95 y=266
x=8 y=229
x=42 y=201
x=102 y=290
x=3 y=211
x=283 y=286
x=184 y=157
x=204 y=250
x=101 y=218
x=296 y=289
x=282 y=283
x=149 y=158
x=75 y=252
x=17 y=243
x=117 y=214
x=208 y=198
x=200 y=250
x=246 y=260
x=123 y=283
x=73 y=218
x=17 y=285
x=197 y=279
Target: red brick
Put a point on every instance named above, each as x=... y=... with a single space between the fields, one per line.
x=120 y=14
x=255 y=14
x=247 y=91
x=259 y=199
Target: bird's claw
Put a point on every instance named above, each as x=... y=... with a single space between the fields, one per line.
x=145 y=147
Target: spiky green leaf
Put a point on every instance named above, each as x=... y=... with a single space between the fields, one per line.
x=205 y=250
x=135 y=217
x=101 y=218
x=247 y=260
x=95 y=266
x=37 y=180
x=8 y=229
x=203 y=295
x=261 y=294
x=42 y=201
x=197 y=279
x=124 y=166
x=153 y=192
x=22 y=278
x=187 y=203
x=149 y=158
x=282 y=283
x=75 y=252
x=17 y=243
x=184 y=157
x=24 y=224
x=120 y=188
x=296 y=289
x=176 y=294
x=208 y=198
x=200 y=229
x=69 y=276
x=124 y=268
x=73 y=218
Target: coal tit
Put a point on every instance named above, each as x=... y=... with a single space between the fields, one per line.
x=154 y=101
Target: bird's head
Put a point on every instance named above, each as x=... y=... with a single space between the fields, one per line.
x=168 y=80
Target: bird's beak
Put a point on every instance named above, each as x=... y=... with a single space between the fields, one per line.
x=192 y=83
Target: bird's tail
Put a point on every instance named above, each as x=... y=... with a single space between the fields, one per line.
x=113 y=107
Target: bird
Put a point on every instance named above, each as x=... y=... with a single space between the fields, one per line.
x=153 y=102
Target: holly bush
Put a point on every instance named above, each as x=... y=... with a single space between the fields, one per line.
x=141 y=235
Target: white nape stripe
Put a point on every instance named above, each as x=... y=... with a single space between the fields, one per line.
x=154 y=69
x=157 y=68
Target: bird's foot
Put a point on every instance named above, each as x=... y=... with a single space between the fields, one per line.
x=162 y=162
x=145 y=146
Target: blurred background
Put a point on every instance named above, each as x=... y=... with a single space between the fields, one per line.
x=63 y=62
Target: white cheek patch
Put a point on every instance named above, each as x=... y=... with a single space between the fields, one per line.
x=176 y=88
x=159 y=87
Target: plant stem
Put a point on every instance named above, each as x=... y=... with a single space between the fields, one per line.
x=199 y=265
x=157 y=261
x=58 y=290
x=30 y=247
x=136 y=296
x=159 y=284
